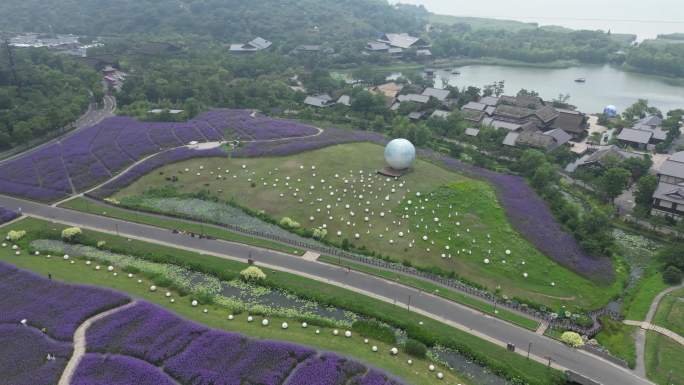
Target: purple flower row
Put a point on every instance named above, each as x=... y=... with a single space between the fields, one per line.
x=246 y=125
x=7 y=215
x=167 y=157
x=23 y=356
x=191 y=353
x=326 y=369
x=329 y=137
x=97 y=369
x=143 y=331
x=94 y=154
x=57 y=307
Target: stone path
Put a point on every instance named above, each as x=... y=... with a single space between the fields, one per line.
x=640 y=368
x=80 y=343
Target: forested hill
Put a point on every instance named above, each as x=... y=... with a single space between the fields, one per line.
x=227 y=20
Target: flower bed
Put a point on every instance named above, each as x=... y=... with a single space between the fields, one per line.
x=57 y=307
x=96 y=369
x=142 y=331
x=7 y=215
x=326 y=369
x=194 y=354
x=329 y=137
x=95 y=153
x=248 y=126
x=23 y=356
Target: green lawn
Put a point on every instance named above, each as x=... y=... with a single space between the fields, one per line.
x=638 y=300
x=93 y=207
x=619 y=339
x=670 y=313
x=437 y=290
x=388 y=216
x=496 y=356
x=664 y=359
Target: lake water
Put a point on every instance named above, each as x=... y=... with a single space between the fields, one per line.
x=604 y=85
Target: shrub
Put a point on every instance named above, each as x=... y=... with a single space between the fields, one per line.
x=253 y=273
x=415 y=348
x=101 y=244
x=572 y=339
x=71 y=234
x=375 y=330
x=15 y=235
x=672 y=275
x=320 y=233
x=288 y=223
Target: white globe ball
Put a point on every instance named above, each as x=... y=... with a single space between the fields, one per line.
x=347 y=334
x=264 y=322
x=194 y=303
x=284 y=325
x=400 y=154
x=374 y=348
x=305 y=325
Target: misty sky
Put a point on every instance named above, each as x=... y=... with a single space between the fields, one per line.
x=657 y=16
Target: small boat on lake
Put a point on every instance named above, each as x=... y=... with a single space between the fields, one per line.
x=455 y=72
x=580 y=80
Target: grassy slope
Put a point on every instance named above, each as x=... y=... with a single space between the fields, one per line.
x=636 y=304
x=475 y=202
x=670 y=313
x=619 y=339
x=664 y=359
x=441 y=291
x=85 y=205
x=517 y=364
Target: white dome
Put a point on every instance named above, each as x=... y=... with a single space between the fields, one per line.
x=610 y=110
x=400 y=154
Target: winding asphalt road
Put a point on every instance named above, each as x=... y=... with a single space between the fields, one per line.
x=491 y=329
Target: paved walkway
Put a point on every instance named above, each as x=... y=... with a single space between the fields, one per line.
x=640 y=368
x=458 y=316
x=656 y=328
x=80 y=343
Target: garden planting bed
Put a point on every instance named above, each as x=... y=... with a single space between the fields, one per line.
x=235 y=295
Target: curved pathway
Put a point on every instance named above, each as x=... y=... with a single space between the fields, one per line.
x=640 y=368
x=458 y=316
x=80 y=342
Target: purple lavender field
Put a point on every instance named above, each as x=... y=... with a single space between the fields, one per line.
x=95 y=154
x=57 y=307
x=97 y=369
x=23 y=356
x=194 y=354
x=7 y=215
x=143 y=331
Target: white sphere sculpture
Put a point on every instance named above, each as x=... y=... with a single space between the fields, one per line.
x=264 y=322
x=400 y=154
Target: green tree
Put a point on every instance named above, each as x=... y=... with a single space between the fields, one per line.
x=614 y=182
x=646 y=186
x=530 y=160
x=672 y=275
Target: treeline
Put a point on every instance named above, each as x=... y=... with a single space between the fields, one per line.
x=42 y=93
x=660 y=59
x=529 y=45
x=301 y=21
